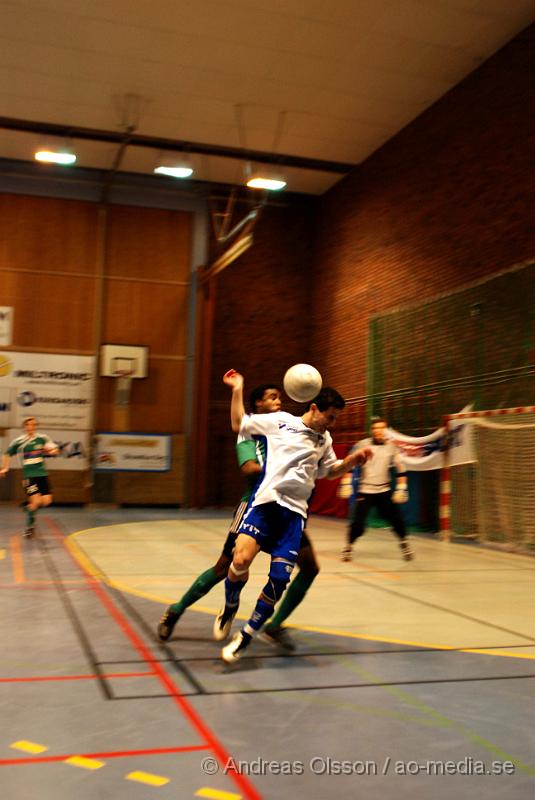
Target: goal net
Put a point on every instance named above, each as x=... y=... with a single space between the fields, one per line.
x=492 y=498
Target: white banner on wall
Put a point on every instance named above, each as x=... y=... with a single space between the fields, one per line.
x=73 y=449
x=140 y=452
x=6 y=325
x=56 y=389
x=421 y=453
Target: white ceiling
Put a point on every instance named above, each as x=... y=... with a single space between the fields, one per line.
x=312 y=78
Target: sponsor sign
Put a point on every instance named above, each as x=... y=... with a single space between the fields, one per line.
x=73 y=449
x=140 y=452
x=56 y=389
x=6 y=325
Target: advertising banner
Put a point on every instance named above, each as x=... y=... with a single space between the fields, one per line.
x=55 y=389
x=6 y=325
x=73 y=449
x=422 y=453
x=140 y=452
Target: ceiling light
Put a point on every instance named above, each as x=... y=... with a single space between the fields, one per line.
x=266 y=183
x=174 y=172
x=55 y=157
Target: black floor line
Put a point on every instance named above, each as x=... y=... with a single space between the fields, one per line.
x=133 y=613
x=73 y=616
x=343 y=686
x=458 y=614
x=329 y=653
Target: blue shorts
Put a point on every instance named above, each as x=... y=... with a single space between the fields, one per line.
x=276 y=529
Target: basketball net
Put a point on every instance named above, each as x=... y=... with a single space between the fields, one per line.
x=123 y=385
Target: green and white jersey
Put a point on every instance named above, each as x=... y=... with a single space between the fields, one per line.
x=250 y=450
x=31 y=451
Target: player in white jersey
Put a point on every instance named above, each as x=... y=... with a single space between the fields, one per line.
x=299 y=450
x=374 y=490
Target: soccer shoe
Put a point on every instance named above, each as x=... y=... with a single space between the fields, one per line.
x=406 y=550
x=278 y=637
x=223 y=623
x=167 y=624
x=29 y=532
x=234 y=650
x=347 y=553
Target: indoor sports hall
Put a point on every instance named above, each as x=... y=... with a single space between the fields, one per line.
x=188 y=190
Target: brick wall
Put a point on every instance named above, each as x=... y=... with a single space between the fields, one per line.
x=447 y=201
x=262 y=323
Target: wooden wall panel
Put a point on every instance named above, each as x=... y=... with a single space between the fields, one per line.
x=47 y=234
x=49 y=273
x=156 y=488
x=151 y=314
x=149 y=243
x=157 y=402
x=53 y=312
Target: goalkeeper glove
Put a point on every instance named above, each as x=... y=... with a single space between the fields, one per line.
x=345 y=487
x=400 y=495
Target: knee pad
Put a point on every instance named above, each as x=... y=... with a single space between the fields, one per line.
x=278 y=577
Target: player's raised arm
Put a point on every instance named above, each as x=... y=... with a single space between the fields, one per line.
x=237 y=409
x=359 y=456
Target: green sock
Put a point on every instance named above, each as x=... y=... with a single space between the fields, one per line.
x=200 y=586
x=30 y=517
x=293 y=596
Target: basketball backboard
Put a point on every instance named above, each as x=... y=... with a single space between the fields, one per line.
x=123 y=359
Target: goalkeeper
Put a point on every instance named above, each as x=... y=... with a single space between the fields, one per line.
x=374 y=490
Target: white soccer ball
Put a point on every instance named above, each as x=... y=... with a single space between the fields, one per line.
x=302 y=382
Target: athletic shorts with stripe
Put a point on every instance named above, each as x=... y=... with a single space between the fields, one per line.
x=37 y=485
x=230 y=541
x=277 y=530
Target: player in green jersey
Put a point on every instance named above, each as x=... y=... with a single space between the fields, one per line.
x=32 y=447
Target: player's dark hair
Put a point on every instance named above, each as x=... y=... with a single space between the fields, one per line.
x=377 y=420
x=258 y=393
x=328 y=398
x=28 y=419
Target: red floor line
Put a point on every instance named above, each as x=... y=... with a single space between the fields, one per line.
x=196 y=721
x=38 y=678
x=33 y=588
x=8 y=762
x=42 y=585
x=17 y=560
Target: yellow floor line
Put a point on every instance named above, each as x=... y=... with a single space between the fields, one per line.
x=148 y=778
x=216 y=794
x=84 y=763
x=28 y=747
x=79 y=555
x=2 y=554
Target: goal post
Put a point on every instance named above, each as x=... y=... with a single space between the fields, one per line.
x=489 y=494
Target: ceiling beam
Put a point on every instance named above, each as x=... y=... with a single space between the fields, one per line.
x=176 y=145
